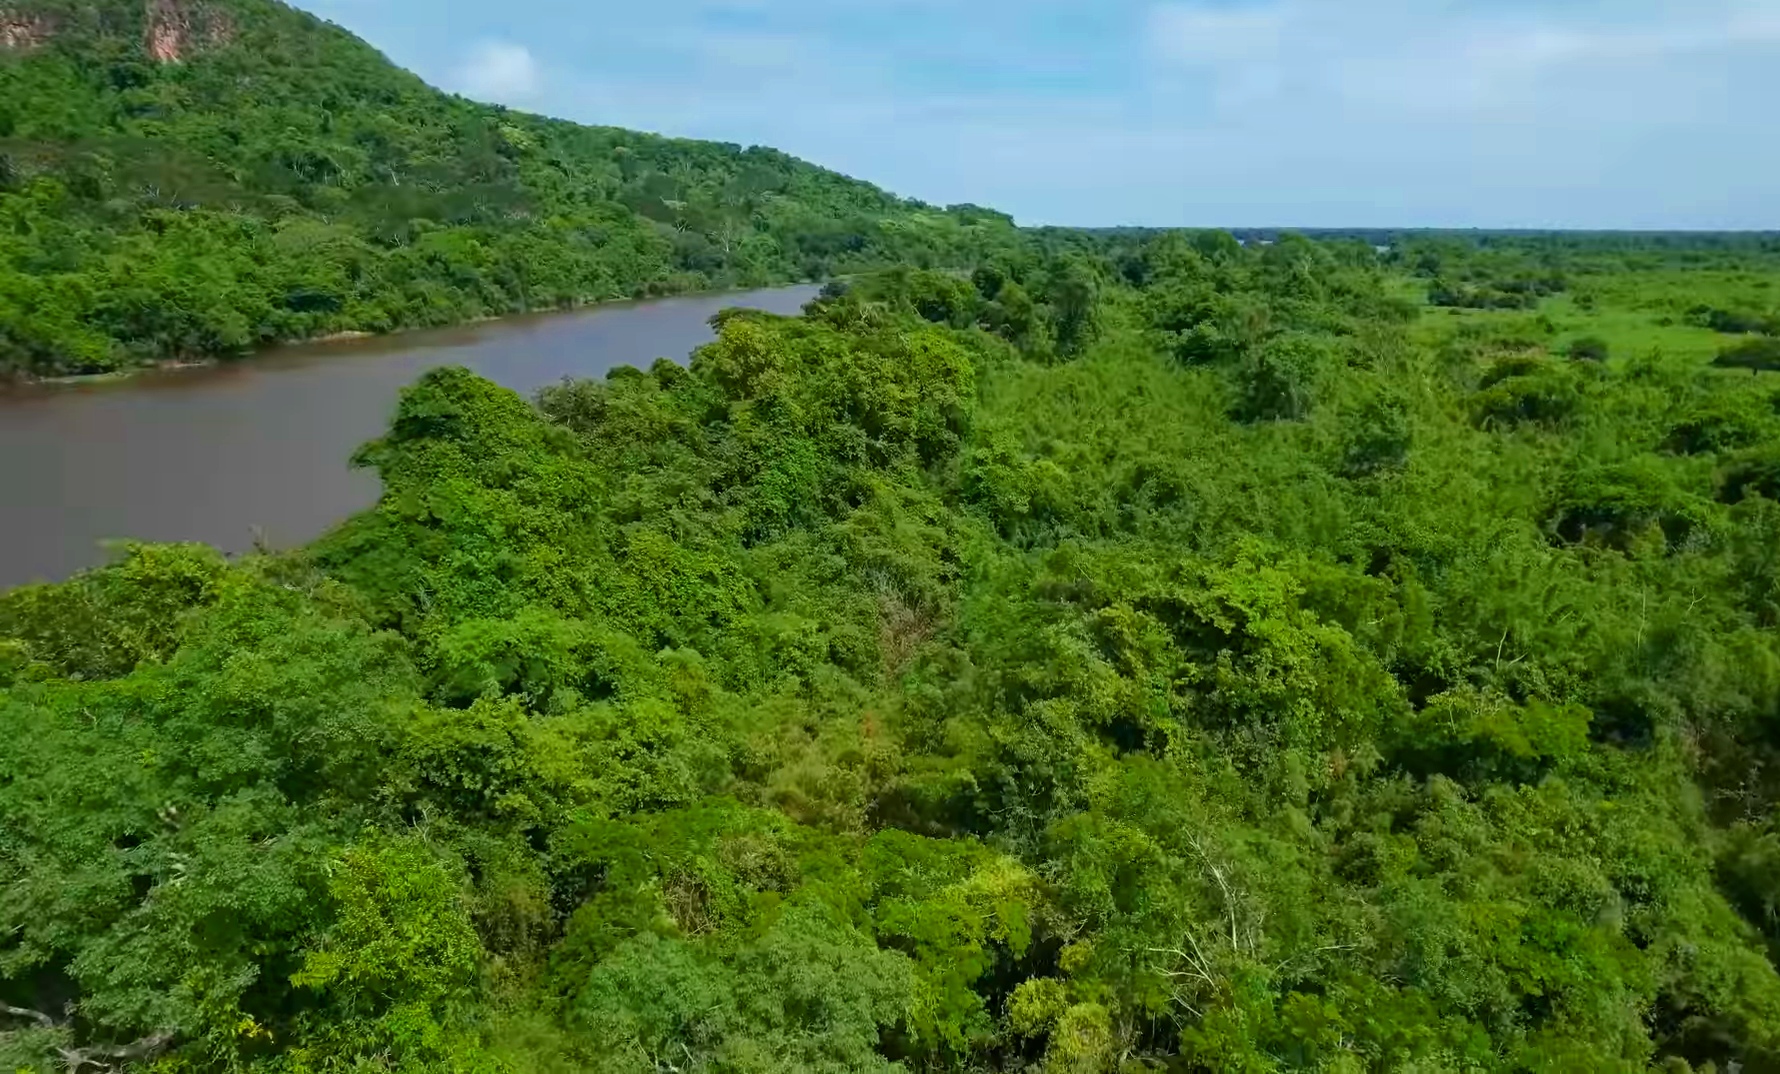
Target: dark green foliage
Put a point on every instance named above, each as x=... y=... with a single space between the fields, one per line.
x=1733 y=322
x=1494 y=295
x=1525 y=390
x=1490 y=275
x=1721 y=425
x=1147 y=653
x=1073 y=294
x=1756 y=355
x=1281 y=380
x=1380 y=435
x=1752 y=473
x=1589 y=349
x=265 y=176
x=1619 y=506
x=102 y=625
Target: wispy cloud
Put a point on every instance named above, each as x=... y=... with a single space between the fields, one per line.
x=500 y=72
x=1219 y=37
x=1421 y=57
x=1454 y=112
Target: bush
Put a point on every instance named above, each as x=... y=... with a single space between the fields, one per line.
x=1378 y=437
x=1756 y=355
x=1717 y=427
x=1733 y=322
x=1589 y=349
x=1620 y=507
x=1281 y=381
x=1527 y=391
x=1753 y=474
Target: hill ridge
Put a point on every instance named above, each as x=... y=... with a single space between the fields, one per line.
x=190 y=178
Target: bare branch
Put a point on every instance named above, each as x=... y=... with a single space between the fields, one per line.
x=96 y=1055
x=39 y=1017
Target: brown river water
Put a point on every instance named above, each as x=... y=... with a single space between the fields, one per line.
x=258 y=449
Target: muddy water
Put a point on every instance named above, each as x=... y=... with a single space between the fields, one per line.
x=259 y=448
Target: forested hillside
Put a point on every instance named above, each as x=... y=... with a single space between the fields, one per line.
x=193 y=178
x=1161 y=656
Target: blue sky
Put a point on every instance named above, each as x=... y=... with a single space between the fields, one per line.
x=1456 y=113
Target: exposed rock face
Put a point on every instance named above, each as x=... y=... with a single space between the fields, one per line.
x=169 y=29
x=175 y=27
x=219 y=29
x=20 y=32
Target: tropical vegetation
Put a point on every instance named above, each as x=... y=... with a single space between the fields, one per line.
x=1065 y=651
x=1161 y=655
x=199 y=178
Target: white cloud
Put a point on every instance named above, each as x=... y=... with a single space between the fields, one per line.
x=1243 y=49
x=1422 y=58
x=501 y=72
x=1457 y=112
x=1212 y=37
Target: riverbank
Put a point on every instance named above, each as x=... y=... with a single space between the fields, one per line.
x=209 y=453
x=25 y=381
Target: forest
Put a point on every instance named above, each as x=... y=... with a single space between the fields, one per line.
x=189 y=179
x=1145 y=652
x=1064 y=651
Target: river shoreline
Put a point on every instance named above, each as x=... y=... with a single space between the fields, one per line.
x=241 y=453
x=26 y=382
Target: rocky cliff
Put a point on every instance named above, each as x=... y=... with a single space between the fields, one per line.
x=170 y=30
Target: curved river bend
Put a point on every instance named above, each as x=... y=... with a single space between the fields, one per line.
x=260 y=447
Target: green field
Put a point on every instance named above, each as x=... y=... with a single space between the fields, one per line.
x=1638 y=314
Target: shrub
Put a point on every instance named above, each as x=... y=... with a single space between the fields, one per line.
x=1757 y=355
x=1282 y=379
x=1589 y=349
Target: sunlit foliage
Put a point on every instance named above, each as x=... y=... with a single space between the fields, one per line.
x=1153 y=654
x=198 y=178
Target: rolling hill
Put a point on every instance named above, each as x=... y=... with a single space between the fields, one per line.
x=184 y=178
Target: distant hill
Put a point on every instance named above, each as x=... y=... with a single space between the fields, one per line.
x=201 y=177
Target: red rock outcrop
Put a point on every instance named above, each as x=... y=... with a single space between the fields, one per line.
x=175 y=27
x=20 y=32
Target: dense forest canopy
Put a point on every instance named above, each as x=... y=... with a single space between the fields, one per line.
x=192 y=178
x=1066 y=651
x=1145 y=653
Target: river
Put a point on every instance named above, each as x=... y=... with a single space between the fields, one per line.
x=258 y=449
